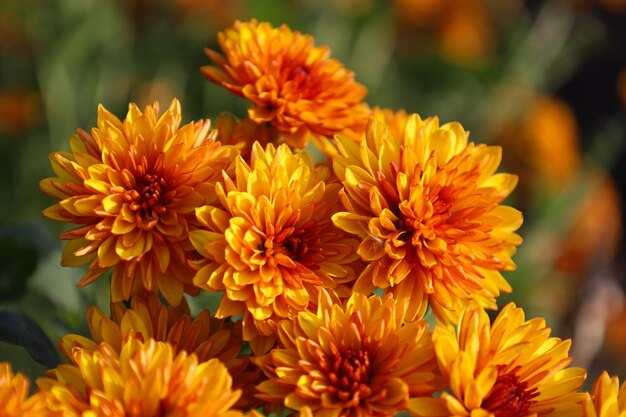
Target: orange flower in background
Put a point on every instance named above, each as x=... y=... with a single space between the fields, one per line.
x=465 y=30
x=132 y=187
x=20 y=111
x=462 y=29
x=292 y=84
x=543 y=143
x=594 y=230
x=14 y=399
x=607 y=398
x=511 y=368
x=209 y=11
x=360 y=359
x=427 y=209
x=244 y=133
x=273 y=245
x=142 y=380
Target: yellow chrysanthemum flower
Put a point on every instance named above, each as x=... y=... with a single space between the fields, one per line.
x=357 y=360
x=607 y=399
x=395 y=120
x=132 y=187
x=14 y=399
x=273 y=246
x=142 y=380
x=147 y=318
x=512 y=368
x=293 y=84
x=427 y=208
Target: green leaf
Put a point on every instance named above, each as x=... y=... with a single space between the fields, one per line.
x=21 y=330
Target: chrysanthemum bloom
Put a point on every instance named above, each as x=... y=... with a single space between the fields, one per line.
x=14 y=399
x=465 y=30
x=273 y=246
x=132 y=187
x=607 y=399
x=357 y=360
x=427 y=208
x=395 y=120
x=542 y=141
x=594 y=229
x=142 y=380
x=293 y=84
x=147 y=318
x=512 y=368
x=244 y=133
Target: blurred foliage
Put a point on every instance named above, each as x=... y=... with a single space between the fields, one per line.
x=541 y=78
x=21 y=330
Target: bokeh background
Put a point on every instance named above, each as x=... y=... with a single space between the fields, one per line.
x=544 y=79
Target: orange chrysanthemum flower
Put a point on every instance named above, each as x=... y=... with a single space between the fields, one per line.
x=357 y=360
x=244 y=133
x=607 y=399
x=427 y=207
x=273 y=246
x=132 y=186
x=147 y=318
x=142 y=380
x=293 y=84
x=543 y=143
x=14 y=399
x=512 y=368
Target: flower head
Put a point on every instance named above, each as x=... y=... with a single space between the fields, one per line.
x=244 y=133
x=147 y=318
x=132 y=188
x=14 y=399
x=607 y=399
x=544 y=143
x=273 y=245
x=395 y=120
x=143 y=380
x=511 y=368
x=427 y=208
x=360 y=359
x=293 y=84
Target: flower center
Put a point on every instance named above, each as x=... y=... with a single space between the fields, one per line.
x=350 y=372
x=150 y=196
x=431 y=212
x=296 y=246
x=509 y=397
x=300 y=75
x=304 y=247
x=301 y=245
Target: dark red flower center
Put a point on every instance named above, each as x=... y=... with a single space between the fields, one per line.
x=509 y=397
x=349 y=372
x=302 y=245
x=151 y=196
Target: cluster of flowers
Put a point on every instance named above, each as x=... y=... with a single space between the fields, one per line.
x=326 y=269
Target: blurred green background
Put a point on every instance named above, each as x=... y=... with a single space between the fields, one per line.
x=544 y=79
